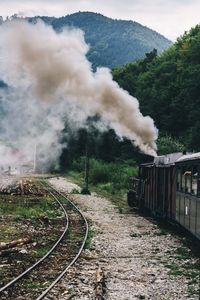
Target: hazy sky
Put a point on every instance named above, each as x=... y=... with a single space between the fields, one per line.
x=169 y=17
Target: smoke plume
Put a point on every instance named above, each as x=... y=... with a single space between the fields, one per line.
x=50 y=79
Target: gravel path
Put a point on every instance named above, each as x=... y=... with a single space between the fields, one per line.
x=134 y=253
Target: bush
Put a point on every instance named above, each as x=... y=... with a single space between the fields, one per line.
x=78 y=164
x=110 y=177
x=114 y=176
x=99 y=172
x=108 y=187
x=167 y=144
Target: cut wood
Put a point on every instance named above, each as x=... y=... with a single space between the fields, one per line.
x=14 y=243
x=21 y=187
x=100 y=284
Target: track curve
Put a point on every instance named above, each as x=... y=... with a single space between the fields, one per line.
x=13 y=284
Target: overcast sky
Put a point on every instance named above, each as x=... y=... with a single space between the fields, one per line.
x=169 y=17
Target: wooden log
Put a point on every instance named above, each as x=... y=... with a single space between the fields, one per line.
x=100 y=284
x=14 y=243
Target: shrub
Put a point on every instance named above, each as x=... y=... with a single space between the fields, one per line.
x=167 y=144
x=78 y=164
x=110 y=177
x=116 y=173
x=99 y=172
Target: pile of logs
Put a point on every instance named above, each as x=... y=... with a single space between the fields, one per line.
x=22 y=187
x=15 y=243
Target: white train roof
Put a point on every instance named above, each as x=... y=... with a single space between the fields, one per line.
x=189 y=157
x=172 y=158
x=168 y=159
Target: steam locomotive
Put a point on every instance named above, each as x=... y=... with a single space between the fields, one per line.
x=169 y=187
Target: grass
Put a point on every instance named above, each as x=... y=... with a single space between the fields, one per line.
x=182 y=253
x=40 y=252
x=17 y=209
x=113 y=175
x=160 y=232
x=7 y=230
x=91 y=234
x=31 y=211
x=134 y=234
x=193 y=291
x=112 y=190
x=75 y=191
x=191 y=271
x=77 y=177
x=108 y=179
x=34 y=285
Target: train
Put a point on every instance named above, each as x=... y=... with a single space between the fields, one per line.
x=168 y=187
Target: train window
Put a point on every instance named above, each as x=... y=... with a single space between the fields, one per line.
x=188 y=178
x=194 y=180
x=181 y=182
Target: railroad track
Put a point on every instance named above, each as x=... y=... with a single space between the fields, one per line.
x=39 y=280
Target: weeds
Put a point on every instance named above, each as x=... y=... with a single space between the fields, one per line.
x=75 y=191
x=160 y=232
x=193 y=291
x=191 y=271
x=31 y=211
x=135 y=234
x=32 y=285
x=41 y=251
x=183 y=253
x=109 y=176
x=91 y=234
x=107 y=179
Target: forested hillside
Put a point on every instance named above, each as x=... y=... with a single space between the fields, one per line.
x=167 y=87
x=112 y=42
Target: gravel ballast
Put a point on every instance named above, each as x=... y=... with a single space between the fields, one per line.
x=138 y=259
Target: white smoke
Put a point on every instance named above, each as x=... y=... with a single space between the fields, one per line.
x=50 y=79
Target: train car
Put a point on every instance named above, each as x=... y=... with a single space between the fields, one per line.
x=169 y=187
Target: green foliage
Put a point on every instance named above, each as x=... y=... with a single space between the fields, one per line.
x=35 y=211
x=78 y=164
x=115 y=173
x=112 y=42
x=110 y=177
x=107 y=187
x=167 y=87
x=100 y=171
x=167 y=144
x=103 y=146
x=40 y=252
x=91 y=234
x=75 y=191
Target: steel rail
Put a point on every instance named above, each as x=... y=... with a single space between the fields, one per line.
x=78 y=254
x=16 y=279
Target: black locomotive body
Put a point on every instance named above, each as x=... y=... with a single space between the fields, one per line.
x=169 y=187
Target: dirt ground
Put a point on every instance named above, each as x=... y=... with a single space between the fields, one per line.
x=139 y=260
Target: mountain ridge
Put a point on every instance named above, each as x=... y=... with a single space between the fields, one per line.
x=112 y=42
